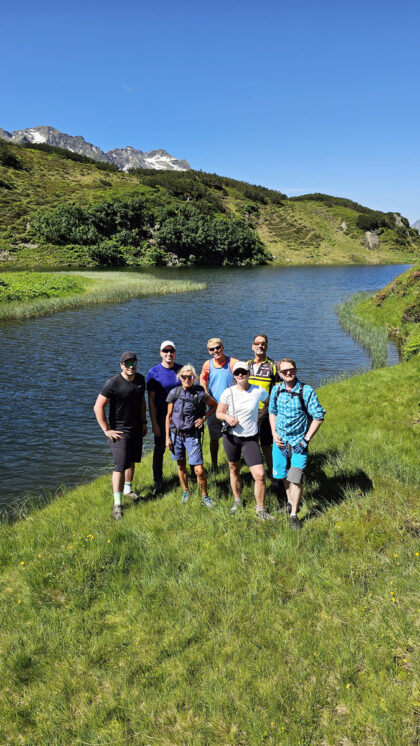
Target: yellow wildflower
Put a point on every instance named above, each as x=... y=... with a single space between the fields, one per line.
x=22 y=563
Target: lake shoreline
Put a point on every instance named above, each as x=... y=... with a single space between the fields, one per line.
x=110 y=287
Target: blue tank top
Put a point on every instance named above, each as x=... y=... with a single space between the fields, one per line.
x=219 y=379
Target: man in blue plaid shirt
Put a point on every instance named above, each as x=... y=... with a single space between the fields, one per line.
x=293 y=424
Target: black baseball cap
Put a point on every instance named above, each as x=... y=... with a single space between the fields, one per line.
x=128 y=356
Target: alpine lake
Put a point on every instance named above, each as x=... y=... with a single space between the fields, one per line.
x=53 y=367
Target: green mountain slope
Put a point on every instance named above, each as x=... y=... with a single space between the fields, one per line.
x=189 y=218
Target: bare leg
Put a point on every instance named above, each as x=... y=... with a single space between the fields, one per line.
x=117 y=481
x=214 y=449
x=129 y=473
x=257 y=472
x=183 y=474
x=235 y=479
x=268 y=455
x=294 y=493
x=201 y=478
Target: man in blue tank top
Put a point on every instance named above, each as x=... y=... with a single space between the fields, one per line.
x=216 y=376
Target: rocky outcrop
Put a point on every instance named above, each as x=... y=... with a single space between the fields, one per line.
x=398 y=220
x=371 y=240
x=124 y=158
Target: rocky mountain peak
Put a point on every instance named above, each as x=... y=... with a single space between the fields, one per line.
x=124 y=158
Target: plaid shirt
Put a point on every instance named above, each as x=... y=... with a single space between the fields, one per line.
x=291 y=421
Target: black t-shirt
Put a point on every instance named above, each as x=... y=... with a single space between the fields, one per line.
x=125 y=402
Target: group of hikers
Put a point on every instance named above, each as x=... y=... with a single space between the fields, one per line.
x=258 y=407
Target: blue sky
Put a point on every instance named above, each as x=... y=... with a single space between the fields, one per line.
x=300 y=97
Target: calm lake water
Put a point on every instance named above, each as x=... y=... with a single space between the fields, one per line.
x=52 y=368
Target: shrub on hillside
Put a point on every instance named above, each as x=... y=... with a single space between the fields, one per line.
x=209 y=240
x=367 y=222
x=128 y=222
x=8 y=158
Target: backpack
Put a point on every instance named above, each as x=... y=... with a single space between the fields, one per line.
x=301 y=399
x=189 y=409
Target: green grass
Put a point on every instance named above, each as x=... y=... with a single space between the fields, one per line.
x=392 y=312
x=396 y=308
x=373 y=337
x=53 y=292
x=183 y=625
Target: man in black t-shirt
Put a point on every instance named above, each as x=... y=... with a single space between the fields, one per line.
x=127 y=425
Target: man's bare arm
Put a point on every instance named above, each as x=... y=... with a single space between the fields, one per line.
x=99 y=409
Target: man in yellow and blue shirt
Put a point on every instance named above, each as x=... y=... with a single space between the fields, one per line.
x=263 y=373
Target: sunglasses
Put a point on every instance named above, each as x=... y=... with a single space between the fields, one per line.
x=130 y=363
x=260 y=344
x=186 y=377
x=215 y=349
x=241 y=372
x=169 y=352
x=288 y=371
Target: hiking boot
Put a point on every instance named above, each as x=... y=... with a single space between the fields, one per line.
x=294 y=523
x=157 y=489
x=207 y=501
x=263 y=515
x=134 y=497
x=185 y=496
x=237 y=503
x=117 y=512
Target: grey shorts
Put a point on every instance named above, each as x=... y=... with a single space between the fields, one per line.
x=215 y=427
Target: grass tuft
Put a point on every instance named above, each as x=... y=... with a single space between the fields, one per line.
x=79 y=289
x=373 y=338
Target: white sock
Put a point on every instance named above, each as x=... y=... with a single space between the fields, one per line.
x=291 y=514
x=127 y=488
x=117 y=498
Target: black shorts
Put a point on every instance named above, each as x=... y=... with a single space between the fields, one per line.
x=126 y=451
x=247 y=447
x=264 y=431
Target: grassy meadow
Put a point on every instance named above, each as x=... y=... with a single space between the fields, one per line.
x=184 y=625
x=26 y=294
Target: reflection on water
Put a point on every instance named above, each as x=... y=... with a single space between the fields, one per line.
x=52 y=368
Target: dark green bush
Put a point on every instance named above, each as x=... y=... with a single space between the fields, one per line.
x=8 y=158
x=209 y=240
x=367 y=222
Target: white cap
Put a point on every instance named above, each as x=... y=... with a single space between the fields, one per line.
x=241 y=366
x=167 y=343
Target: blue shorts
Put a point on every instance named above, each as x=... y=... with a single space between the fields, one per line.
x=288 y=465
x=189 y=443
